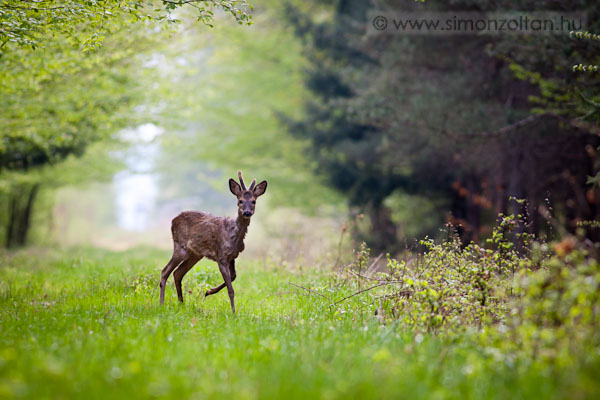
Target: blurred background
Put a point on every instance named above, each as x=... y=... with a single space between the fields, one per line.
x=362 y=137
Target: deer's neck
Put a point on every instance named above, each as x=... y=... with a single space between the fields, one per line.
x=239 y=232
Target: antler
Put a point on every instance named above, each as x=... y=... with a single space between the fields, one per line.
x=243 y=184
x=241 y=180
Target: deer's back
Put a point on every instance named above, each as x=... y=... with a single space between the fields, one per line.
x=202 y=233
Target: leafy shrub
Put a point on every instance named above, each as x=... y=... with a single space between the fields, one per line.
x=450 y=287
x=522 y=297
x=555 y=315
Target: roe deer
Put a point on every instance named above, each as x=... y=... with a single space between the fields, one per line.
x=221 y=239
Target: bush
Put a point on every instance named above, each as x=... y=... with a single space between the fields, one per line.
x=520 y=296
x=450 y=287
x=555 y=314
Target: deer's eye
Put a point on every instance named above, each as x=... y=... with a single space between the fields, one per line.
x=240 y=201
x=253 y=201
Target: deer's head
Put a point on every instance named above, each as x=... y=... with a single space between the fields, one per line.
x=246 y=197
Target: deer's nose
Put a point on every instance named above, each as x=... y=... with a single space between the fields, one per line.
x=247 y=214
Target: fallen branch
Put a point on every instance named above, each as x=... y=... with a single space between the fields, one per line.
x=401 y=293
x=311 y=291
x=361 y=291
x=375 y=279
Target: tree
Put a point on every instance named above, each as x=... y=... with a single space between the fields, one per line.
x=440 y=119
x=29 y=23
x=56 y=101
x=69 y=76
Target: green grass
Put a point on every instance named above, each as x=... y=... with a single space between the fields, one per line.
x=87 y=324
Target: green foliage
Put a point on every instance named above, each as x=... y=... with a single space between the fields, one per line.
x=80 y=84
x=57 y=100
x=583 y=67
x=87 y=23
x=449 y=288
x=555 y=315
x=566 y=89
x=537 y=306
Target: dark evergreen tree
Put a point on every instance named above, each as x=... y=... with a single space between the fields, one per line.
x=448 y=118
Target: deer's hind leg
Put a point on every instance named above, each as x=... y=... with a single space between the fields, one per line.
x=180 y=273
x=179 y=256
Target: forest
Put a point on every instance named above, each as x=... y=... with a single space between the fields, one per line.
x=431 y=227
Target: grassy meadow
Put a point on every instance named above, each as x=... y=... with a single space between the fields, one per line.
x=87 y=324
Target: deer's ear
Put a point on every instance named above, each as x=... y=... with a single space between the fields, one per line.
x=235 y=188
x=260 y=189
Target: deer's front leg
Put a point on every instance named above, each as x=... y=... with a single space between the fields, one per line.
x=225 y=271
x=232 y=274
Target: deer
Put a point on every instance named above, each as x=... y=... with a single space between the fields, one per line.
x=197 y=234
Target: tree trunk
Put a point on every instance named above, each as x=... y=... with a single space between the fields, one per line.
x=12 y=215
x=20 y=210
x=384 y=231
x=25 y=222
x=473 y=212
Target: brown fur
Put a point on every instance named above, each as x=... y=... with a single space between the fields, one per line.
x=221 y=239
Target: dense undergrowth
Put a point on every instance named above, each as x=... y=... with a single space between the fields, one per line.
x=519 y=297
